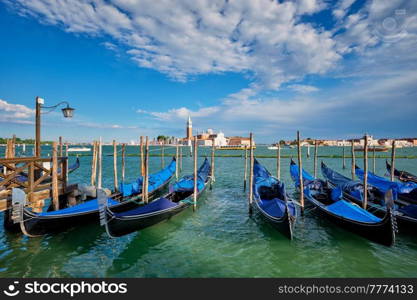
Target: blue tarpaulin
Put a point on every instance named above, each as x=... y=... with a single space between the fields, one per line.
x=155 y=181
x=186 y=183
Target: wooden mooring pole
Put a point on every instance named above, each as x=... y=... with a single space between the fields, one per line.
x=245 y=171
x=145 y=191
x=195 y=174
x=100 y=164
x=251 y=163
x=315 y=158
x=365 y=175
x=176 y=161
x=344 y=155
x=373 y=160
x=61 y=147
x=116 y=183
x=353 y=159
x=94 y=164
x=300 y=173
x=55 y=193
x=279 y=161
x=142 y=163
x=392 y=160
x=123 y=162
x=162 y=154
x=213 y=149
x=181 y=159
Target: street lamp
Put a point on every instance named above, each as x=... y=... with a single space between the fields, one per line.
x=68 y=112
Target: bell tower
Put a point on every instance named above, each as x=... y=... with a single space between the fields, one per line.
x=189 y=130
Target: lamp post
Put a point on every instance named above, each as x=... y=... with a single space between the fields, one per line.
x=68 y=112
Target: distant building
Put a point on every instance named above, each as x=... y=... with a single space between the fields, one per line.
x=239 y=141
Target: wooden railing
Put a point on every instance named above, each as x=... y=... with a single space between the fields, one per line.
x=30 y=174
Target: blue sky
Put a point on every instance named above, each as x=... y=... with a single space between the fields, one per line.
x=332 y=69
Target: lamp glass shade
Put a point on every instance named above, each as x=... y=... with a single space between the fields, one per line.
x=68 y=112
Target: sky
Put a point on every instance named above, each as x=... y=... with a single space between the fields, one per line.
x=331 y=69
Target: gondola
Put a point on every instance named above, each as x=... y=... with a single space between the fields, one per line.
x=271 y=200
x=403 y=176
x=405 y=191
x=178 y=199
x=35 y=224
x=330 y=203
x=405 y=214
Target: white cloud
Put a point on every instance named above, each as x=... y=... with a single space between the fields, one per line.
x=303 y=89
x=260 y=38
x=15 y=113
x=342 y=8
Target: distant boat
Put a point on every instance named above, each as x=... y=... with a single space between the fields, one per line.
x=234 y=147
x=282 y=147
x=85 y=149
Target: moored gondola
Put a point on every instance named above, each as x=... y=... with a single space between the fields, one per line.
x=272 y=201
x=36 y=224
x=330 y=203
x=177 y=200
x=405 y=191
x=405 y=214
x=403 y=176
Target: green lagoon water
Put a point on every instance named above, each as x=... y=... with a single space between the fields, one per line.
x=218 y=240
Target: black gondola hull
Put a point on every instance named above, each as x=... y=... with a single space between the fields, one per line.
x=284 y=225
x=34 y=225
x=382 y=232
x=117 y=227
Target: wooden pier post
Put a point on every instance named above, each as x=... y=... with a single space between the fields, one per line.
x=162 y=154
x=373 y=160
x=251 y=163
x=213 y=149
x=300 y=172
x=116 y=183
x=142 y=163
x=315 y=158
x=279 y=161
x=353 y=159
x=94 y=164
x=365 y=175
x=344 y=155
x=195 y=174
x=55 y=193
x=308 y=150
x=392 y=160
x=100 y=163
x=245 y=174
x=123 y=162
x=61 y=147
x=176 y=160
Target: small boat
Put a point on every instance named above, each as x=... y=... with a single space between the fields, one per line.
x=177 y=200
x=272 y=200
x=405 y=214
x=403 y=176
x=36 y=224
x=405 y=191
x=81 y=149
x=330 y=203
x=234 y=147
